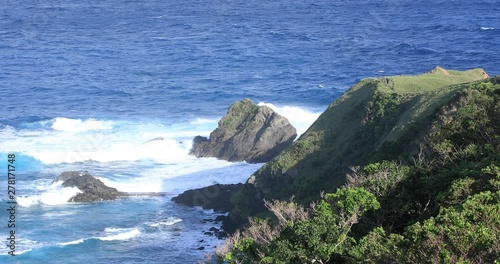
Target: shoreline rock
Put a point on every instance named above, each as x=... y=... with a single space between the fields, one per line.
x=216 y=197
x=247 y=132
x=93 y=190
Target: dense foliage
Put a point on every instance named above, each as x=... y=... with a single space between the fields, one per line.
x=440 y=206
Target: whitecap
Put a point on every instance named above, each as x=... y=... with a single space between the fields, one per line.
x=74 y=242
x=54 y=195
x=20 y=252
x=110 y=234
x=78 y=125
x=199 y=121
x=119 y=234
x=487 y=28
x=168 y=222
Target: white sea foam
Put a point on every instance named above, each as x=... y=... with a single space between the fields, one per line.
x=300 y=118
x=54 y=195
x=74 y=242
x=168 y=222
x=487 y=28
x=110 y=234
x=119 y=234
x=113 y=141
x=78 y=125
x=175 y=177
x=25 y=245
x=199 y=121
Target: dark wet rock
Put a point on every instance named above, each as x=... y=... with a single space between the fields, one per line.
x=213 y=229
x=216 y=197
x=208 y=233
x=201 y=248
x=221 y=234
x=93 y=190
x=247 y=132
x=220 y=218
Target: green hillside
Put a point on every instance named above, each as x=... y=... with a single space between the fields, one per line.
x=373 y=120
x=409 y=171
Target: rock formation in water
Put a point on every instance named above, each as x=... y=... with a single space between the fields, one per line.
x=93 y=190
x=247 y=132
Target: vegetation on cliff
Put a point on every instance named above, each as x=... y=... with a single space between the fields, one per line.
x=411 y=170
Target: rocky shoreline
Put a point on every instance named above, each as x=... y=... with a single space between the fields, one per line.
x=216 y=197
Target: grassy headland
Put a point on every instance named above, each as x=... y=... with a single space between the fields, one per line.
x=418 y=159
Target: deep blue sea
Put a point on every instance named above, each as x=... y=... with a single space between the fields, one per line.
x=85 y=85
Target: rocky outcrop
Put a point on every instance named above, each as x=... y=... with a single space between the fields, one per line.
x=216 y=197
x=247 y=132
x=93 y=190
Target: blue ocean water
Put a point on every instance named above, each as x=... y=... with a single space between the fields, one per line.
x=87 y=85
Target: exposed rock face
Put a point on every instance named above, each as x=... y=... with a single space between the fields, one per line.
x=93 y=189
x=216 y=197
x=247 y=132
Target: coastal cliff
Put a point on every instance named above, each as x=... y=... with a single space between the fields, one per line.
x=377 y=119
x=400 y=169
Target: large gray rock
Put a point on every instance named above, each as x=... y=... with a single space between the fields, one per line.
x=247 y=132
x=93 y=190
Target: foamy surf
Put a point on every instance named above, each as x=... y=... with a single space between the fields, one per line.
x=119 y=234
x=24 y=245
x=54 y=195
x=199 y=121
x=78 y=125
x=110 y=234
x=74 y=242
x=168 y=222
x=65 y=140
x=177 y=177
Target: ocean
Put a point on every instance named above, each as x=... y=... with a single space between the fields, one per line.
x=86 y=85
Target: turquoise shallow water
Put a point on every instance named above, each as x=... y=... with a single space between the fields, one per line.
x=85 y=86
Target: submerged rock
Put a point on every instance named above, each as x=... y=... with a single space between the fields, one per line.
x=247 y=132
x=93 y=189
x=221 y=234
